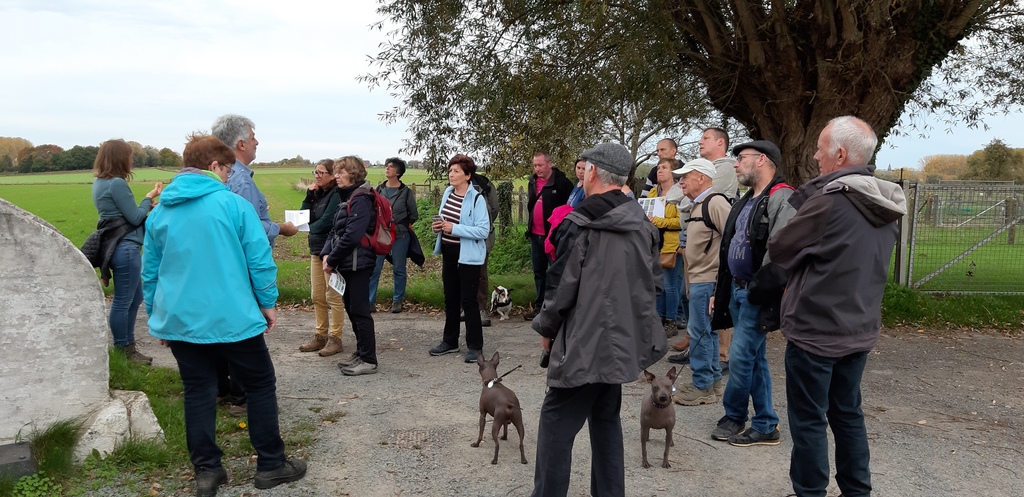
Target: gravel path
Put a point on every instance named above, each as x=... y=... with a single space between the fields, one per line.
x=945 y=413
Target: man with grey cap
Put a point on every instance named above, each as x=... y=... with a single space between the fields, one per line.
x=748 y=293
x=601 y=290
x=708 y=211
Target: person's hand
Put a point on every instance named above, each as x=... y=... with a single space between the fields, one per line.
x=327 y=269
x=437 y=226
x=155 y=192
x=447 y=226
x=546 y=343
x=313 y=186
x=681 y=250
x=711 y=305
x=288 y=229
x=271 y=315
x=165 y=343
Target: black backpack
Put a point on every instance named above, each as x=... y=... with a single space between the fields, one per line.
x=705 y=217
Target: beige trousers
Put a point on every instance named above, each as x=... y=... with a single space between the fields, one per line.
x=326 y=301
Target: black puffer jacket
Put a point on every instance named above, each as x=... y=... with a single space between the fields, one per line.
x=322 y=205
x=345 y=250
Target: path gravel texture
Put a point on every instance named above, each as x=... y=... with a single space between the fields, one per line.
x=945 y=415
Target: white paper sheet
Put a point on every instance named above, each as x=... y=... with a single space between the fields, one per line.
x=299 y=218
x=653 y=206
x=337 y=282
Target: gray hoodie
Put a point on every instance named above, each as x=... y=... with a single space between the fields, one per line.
x=837 y=250
x=599 y=304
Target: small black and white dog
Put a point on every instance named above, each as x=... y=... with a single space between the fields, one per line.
x=501 y=301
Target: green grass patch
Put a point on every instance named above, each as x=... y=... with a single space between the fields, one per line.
x=905 y=307
x=145 y=175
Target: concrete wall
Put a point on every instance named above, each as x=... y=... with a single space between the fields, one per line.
x=53 y=327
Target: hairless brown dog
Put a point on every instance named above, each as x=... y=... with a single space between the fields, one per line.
x=501 y=403
x=658 y=412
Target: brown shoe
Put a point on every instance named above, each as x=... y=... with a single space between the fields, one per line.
x=681 y=345
x=135 y=356
x=333 y=347
x=670 y=328
x=318 y=342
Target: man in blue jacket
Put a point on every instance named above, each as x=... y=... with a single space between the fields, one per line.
x=210 y=288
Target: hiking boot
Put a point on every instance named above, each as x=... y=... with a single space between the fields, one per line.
x=238 y=410
x=670 y=328
x=359 y=368
x=753 y=437
x=725 y=366
x=726 y=428
x=396 y=307
x=471 y=355
x=333 y=347
x=682 y=345
x=681 y=358
x=681 y=324
x=135 y=356
x=485 y=320
x=291 y=470
x=207 y=481
x=443 y=348
x=529 y=316
x=316 y=343
x=719 y=388
x=348 y=361
x=690 y=395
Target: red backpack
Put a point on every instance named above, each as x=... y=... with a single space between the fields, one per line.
x=383 y=237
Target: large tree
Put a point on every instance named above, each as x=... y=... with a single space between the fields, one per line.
x=523 y=72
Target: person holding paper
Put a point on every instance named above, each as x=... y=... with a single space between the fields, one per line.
x=671 y=262
x=322 y=199
x=345 y=252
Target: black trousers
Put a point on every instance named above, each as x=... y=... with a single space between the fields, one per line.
x=561 y=418
x=357 y=305
x=460 y=286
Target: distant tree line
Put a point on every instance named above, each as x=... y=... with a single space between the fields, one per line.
x=995 y=162
x=18 y=155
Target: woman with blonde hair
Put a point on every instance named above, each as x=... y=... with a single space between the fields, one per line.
x=118 y=212
x=345 y=253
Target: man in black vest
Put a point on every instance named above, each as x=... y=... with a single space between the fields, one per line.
x=548 y=188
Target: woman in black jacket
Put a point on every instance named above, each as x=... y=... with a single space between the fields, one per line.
x=403 y=211
x=345 y=253
x=322 y=199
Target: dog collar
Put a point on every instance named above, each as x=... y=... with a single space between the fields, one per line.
x=659 y=406
x=490 y=383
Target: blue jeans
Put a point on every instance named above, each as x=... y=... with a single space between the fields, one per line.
x=249 y=361
x=399 y=253
x=821 y=393
x=126 y=266
x=749 y=377
x=540 y=262
x=703 y=340
x=667 y=303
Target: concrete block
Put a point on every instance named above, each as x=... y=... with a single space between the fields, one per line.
x=53 y=327
x=16 y=460
x=127 y=414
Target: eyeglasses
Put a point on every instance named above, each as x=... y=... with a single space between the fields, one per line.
x=741 y=156
x=319 y=173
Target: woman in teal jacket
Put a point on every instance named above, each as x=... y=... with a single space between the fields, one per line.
x=462 y=226
x=210 y=286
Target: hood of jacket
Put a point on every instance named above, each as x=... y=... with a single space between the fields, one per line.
x=880 y=202
x=190 y=183
x=609 y=211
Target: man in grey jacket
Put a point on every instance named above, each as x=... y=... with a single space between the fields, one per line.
x=602 y=291
x=837 y=249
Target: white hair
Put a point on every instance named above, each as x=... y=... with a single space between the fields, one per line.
x=856 y=136
x=607 y=177
x=231 y=128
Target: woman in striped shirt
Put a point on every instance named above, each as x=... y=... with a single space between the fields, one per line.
x=462 y=225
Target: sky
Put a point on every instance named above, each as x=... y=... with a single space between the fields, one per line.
x=78 y=72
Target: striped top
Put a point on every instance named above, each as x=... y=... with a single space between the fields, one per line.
x=450 y=212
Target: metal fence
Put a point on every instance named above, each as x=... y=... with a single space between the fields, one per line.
x=960 y=237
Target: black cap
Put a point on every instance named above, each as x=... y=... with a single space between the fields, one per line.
x=765 y=147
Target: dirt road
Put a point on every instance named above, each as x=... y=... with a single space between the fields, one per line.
x=945 y=413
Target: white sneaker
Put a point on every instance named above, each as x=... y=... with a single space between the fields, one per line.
x=359 y=368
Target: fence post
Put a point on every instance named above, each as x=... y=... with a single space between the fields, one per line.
x=505 y=207
x=903 y=248
x=1011 y=214
x=522 y=206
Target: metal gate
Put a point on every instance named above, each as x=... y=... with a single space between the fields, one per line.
x=960 y=237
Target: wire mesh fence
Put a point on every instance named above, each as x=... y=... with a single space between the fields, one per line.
x=962 y=237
